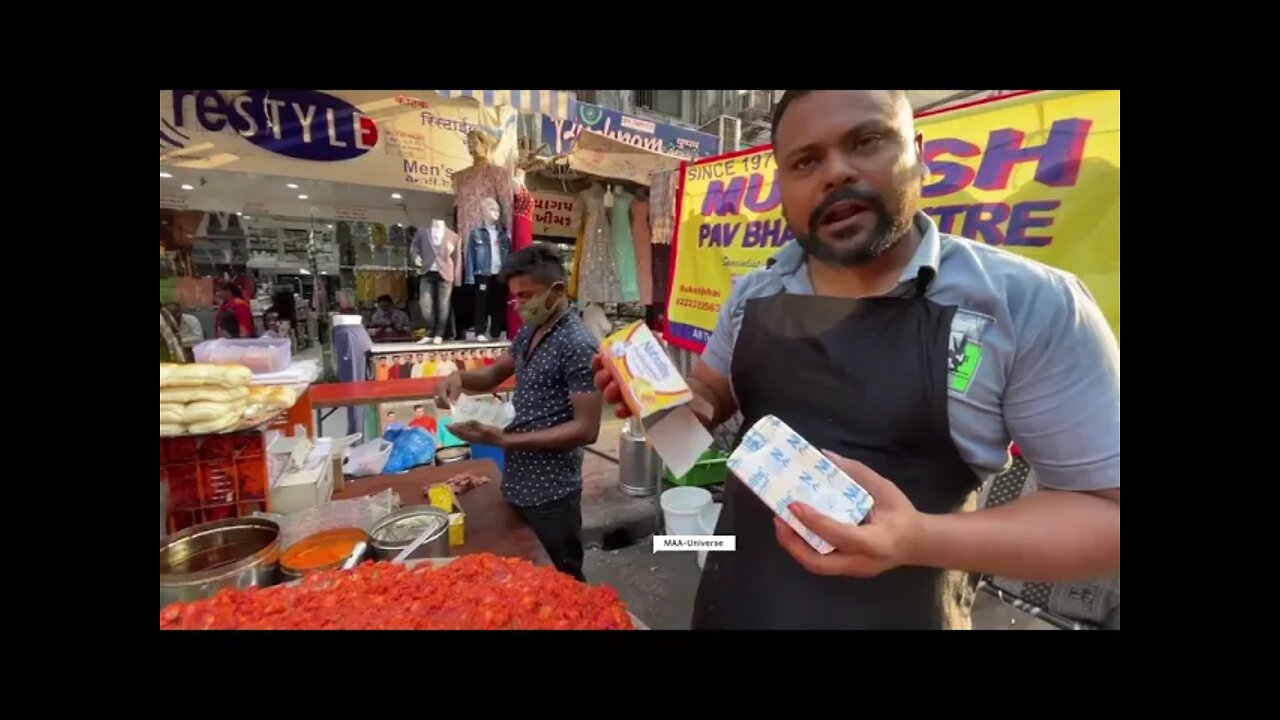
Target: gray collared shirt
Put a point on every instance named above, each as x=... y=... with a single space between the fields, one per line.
x=1033 y=360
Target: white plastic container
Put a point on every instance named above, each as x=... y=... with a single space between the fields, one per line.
x=681 y=507
x=708 y=519
x=260 y=355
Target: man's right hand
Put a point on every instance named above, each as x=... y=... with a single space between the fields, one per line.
x=448 y=391
x=608 y=386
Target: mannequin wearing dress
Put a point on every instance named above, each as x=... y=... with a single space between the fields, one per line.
x=521 y=236
x=598 y=277
x=470 y=186
x=482 y=180
x=624 y=252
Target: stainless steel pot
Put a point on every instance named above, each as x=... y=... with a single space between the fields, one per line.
x=164 y=508
x=235 y=553
x=394 y=532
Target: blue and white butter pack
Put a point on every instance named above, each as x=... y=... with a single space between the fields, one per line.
x=781 y=468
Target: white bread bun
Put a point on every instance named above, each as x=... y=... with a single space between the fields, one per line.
x=205 y=411
x=184 y=395
x=276 y=397
x=170 y=429
x=198 y=374
x=171 y=413
x=216 y=425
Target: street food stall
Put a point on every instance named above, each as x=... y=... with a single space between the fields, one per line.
x=253 y=521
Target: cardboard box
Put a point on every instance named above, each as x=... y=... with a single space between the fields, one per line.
x=300 y=489
x=657 y=395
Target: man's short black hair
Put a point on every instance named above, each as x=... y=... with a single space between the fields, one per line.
x=385 y=299
x=540 y=263
x=420 y=407
x=791 y=95
x=234 y=289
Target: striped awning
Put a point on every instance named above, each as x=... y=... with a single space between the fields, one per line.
x=559 y=104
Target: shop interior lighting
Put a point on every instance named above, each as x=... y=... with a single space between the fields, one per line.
x=187 y=187
x=302 y=197
x=292 y=186
x=395 y=196
x=164 y=174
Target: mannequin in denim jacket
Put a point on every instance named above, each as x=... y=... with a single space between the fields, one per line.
x=487 y=248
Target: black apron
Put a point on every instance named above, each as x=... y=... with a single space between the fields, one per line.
x=866 y=379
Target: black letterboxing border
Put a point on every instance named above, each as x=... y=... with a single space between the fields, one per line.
x=651 y=660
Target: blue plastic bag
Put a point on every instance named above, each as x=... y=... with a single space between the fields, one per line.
x=409 y=449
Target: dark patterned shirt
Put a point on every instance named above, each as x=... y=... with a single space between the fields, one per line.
x=559 y=365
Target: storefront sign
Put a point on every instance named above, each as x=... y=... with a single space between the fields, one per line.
x=555 y=215
x=561 y=135
x=412 y=139
x=1037 y=174
x=302 y=124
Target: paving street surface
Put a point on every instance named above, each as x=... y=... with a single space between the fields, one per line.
x=659 y=588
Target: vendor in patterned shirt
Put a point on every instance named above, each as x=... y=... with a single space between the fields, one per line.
x=557 y=406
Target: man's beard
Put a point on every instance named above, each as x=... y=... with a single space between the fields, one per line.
x=882 y=236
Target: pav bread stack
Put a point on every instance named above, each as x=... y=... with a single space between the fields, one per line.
x=201 y=398
x=266 y=399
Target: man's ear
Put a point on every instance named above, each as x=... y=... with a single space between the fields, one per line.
x=924 y=168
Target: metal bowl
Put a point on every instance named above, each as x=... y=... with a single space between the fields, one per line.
x=457 y=453
x=396 y=531
x=235 y=553
x=293 y=565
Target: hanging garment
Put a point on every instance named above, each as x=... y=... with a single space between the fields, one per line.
x=624 y=250
x=470 y=187
x=642 y=243
x=661 y=273
x=521 y=237
x=575 y=268
x=598 y=280
x=662 y=205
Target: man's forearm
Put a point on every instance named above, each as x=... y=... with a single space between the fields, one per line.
x=479 y=381
x=565 y=436
x=1050 y=536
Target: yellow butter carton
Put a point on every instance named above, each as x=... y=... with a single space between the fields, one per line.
x=657 y=395
x=457 y=529
x=650 y=381
x=442 y=497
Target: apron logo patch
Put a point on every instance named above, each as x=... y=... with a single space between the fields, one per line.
x=964 y=349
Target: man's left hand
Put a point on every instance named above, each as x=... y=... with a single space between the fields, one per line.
x=478 y=434
x=885 y=540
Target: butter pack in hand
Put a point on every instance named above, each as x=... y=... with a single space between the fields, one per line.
x=782 y=468
x=658 y=395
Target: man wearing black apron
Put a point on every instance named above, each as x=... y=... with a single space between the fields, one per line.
x=919 y=357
